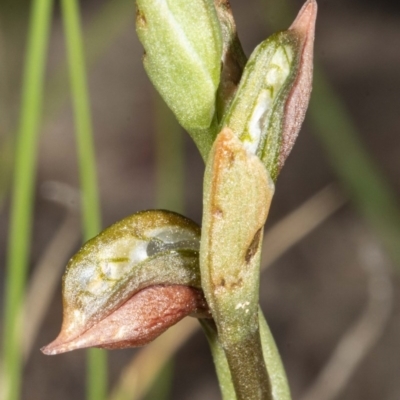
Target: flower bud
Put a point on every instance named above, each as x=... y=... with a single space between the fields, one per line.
x=146 y=249
x=270 y=104
x=182 y=42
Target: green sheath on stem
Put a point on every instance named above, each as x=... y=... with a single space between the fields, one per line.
x=276 y=371
x=220 y=361
x=237 y=195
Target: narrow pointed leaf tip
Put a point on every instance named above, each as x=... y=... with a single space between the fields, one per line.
x=183 y=48
x=146 y=249
x=270 y=104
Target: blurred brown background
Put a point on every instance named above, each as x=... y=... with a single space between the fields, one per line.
x=318 y=288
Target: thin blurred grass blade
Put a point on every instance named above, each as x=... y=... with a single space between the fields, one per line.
x=101 y=32
x=169 y=148
x=23 y=194
x=47 y=273
x=109 y=22
x=97 y=360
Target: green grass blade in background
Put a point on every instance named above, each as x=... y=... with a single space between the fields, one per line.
x=169 y=158
x=22 y=196
x=6 y=159
x=109 y=22
x=357 y=171
x=97 y=360
x=6 y=142
x=83 y=123
x=170 y=161
x=162 y=384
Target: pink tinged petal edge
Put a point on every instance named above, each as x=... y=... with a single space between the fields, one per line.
x=297 y=103
x=137 y=322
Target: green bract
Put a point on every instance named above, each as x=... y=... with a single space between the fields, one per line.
x=183 y=48
x=237 y=195
x=146 y=249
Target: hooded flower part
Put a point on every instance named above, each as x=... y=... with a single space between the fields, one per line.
x=147 y=249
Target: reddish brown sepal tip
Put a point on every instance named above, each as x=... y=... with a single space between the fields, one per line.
x=297 y=103
x=306 y=17
x=138 y=321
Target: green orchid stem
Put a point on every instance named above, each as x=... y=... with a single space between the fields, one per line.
x=220 y=361
x=204 y=138
x=23 y=191
x=97 y=361
x=277 y=376
x=247 y=366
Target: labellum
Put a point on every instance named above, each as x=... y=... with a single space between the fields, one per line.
x=138 y=321
x=104 y=278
